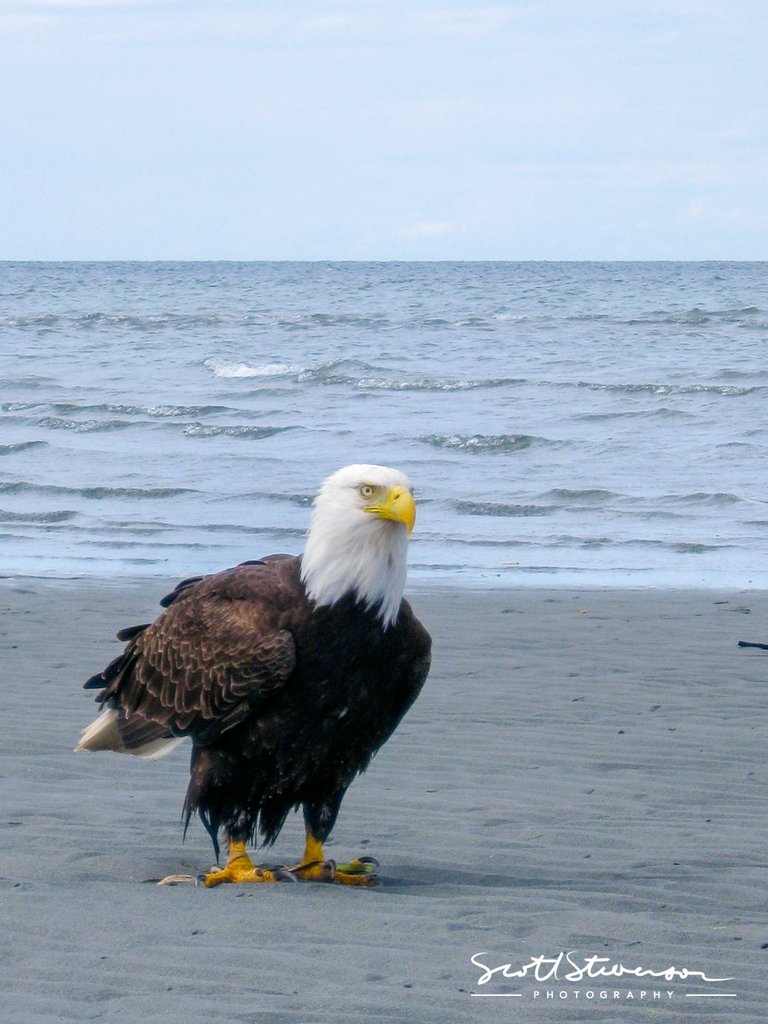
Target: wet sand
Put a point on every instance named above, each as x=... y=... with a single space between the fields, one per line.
x=585 y=771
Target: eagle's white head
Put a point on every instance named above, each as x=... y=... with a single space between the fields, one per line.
x=358 y=539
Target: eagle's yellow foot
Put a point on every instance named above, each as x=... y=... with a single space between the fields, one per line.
x=361 y=871
x=359 y=866
x=355 y=873
x=315 y=868
x=240 y=868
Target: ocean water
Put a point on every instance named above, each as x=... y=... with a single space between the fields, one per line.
x=574 y=423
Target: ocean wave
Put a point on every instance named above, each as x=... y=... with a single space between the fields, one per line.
x=695 y=316
x=223 y=368
x=723 y=498
x=726 y=390
x=322 y=319
x=269 y=319
x=741 y=446
x=20 y=406
x=61 y=516
x=21 y=446
x=645 y=414
x=583 y=496
x=253 y=433
x=732 y=374
x=678 y=547
x=554 y=319
x=483 y=443
x=31 y=320
x=431 y=383
x=83 y=426
x=120 y=544
x=304 y=500
x=449 y=540
x=237 y=529
x=598 y=543
x=154 y=411
x=354 y=374
x=66 y=410
x=339 y=372
x=30 y=382
x=93 y=493
x=99 y=319
x=492 y=508
x=692 y=548
x=181 y=530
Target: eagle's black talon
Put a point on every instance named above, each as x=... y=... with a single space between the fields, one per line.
x=369 y=860
x=331 y=865
x=285 y=875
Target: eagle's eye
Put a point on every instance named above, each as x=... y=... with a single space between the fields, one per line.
x=366 y=491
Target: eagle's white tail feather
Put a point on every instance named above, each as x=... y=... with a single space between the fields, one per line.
x=104 y=734
x=157 y=748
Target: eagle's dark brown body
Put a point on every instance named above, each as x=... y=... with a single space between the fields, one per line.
x=284 y=702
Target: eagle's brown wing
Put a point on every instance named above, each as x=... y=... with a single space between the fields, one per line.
x=207 y=662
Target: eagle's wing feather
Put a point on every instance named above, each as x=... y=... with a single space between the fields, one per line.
x=207 y=661
x=412 y=667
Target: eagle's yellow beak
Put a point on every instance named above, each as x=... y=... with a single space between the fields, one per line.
x=397 y=505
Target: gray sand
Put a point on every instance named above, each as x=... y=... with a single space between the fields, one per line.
x=585 y=770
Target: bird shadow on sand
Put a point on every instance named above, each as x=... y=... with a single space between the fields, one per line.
x=441 y=880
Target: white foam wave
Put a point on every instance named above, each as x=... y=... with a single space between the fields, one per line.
x=221 y=368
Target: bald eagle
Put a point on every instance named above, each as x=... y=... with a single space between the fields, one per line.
x=287 y=674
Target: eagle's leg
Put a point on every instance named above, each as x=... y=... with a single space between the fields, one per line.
x=315 y=868
x=319 y=819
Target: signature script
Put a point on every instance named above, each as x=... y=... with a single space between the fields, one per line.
x=564 y=967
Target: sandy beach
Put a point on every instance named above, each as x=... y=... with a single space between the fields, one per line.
x=584 y=771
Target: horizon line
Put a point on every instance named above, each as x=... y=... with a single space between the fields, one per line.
x=389 y=260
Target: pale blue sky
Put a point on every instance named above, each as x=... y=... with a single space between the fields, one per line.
x=432 y=129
